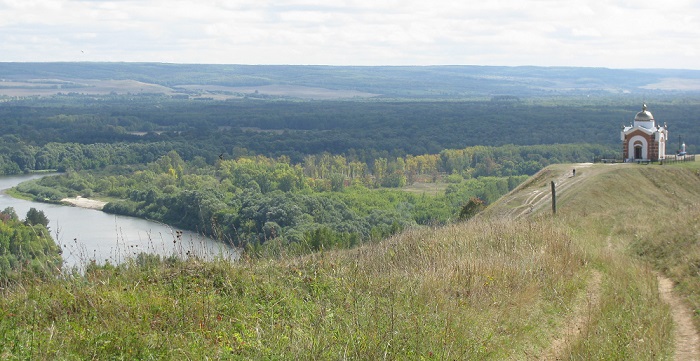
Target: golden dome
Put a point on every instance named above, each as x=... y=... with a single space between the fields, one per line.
x=644 y=115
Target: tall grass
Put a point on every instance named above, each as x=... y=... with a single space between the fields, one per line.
x=482 y=289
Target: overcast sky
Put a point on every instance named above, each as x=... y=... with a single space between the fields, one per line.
x=597 y=33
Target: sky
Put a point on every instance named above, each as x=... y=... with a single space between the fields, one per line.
x=588 y=33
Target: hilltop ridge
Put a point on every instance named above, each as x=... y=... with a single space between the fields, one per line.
x=607 y=186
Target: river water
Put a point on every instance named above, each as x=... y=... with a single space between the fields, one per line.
x=87 y=235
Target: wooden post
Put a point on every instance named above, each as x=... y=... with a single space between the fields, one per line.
x=554 y=199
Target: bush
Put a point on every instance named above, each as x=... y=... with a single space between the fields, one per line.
x=472 y=208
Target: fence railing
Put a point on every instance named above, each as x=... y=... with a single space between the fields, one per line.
x=679 y=158
x=669 y=159
x=607 y=160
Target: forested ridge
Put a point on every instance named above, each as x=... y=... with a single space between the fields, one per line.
x=435 y=82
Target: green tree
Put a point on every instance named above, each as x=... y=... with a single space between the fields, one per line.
x=8 y=213
x=35 y=217
x=25 y=248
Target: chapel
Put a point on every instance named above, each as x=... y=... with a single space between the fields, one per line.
x=644 y=140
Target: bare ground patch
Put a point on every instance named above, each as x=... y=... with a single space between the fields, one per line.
x=85 y=203
x=687 y=341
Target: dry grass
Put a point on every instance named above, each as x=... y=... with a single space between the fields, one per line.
x=621 y=213
x=475 y=290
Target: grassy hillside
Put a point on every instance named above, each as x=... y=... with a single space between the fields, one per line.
x=627 y=218
x=515 y=283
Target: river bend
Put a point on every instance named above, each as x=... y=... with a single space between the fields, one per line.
x=86 y=235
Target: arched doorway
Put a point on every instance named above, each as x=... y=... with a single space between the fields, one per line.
x=638 y=151
x=637 y=148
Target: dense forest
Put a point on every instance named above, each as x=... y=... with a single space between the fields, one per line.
x=269 y=172
x=144 y=128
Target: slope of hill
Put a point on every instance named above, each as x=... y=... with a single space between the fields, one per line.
x=648 y=213
x=522 y=285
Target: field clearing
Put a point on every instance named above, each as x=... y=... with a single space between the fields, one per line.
x=81 y=86
x=675 y=84
x=49 y=87
x=294 y=91
x=432 y=189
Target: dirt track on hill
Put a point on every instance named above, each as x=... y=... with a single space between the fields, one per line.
x=687 y=340
x=541 y=196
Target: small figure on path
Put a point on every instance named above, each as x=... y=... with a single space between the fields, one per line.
x=574 y=173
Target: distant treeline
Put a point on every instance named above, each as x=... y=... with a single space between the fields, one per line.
x=16 y=157
x=362 y=130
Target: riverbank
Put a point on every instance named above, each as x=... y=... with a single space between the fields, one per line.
x=85 y=203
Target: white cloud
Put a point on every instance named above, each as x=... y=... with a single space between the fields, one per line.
x=618 y=33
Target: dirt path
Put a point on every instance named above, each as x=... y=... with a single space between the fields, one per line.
x=579 y=321
x=686 y=336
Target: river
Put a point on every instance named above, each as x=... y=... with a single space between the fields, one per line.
x=87 y=235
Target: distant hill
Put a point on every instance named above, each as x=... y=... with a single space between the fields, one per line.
x=333 y=82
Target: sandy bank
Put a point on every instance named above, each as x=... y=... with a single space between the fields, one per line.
x=84 y=202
